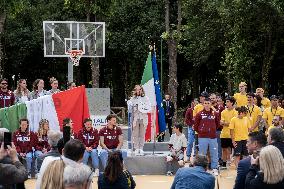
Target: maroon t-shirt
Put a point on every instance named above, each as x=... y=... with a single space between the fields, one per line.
x=6 y=98
x=111 y=136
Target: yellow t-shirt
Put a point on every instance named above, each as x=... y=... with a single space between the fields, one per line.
x=240 y=128
x=270 y=112
x=265 y=102
x=198 y=108
x=226 y=116
x=241 y=100
x=253 y=112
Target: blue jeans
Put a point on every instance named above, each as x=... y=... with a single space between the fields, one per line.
x=219 y=144
x=94 y=157
x=29 y=160
x=190 y=136
x=104 y=156
x=204 y=143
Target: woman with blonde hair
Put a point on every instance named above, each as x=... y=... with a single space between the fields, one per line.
x=42 y=136
x=54 y=86
x=22 y=94
x=141 y=106
x=267 y=170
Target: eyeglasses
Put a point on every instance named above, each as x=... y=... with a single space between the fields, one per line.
x=4 y=83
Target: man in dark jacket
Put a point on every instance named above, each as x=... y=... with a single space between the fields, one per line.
x=256 y=141
x=206 y=124
x=276 y=138
x=169 y=108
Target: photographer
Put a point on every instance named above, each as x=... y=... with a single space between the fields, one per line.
x=14 y=173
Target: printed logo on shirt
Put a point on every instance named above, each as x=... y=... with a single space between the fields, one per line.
x=111 y=137
x=90 y=137
x=23 y=139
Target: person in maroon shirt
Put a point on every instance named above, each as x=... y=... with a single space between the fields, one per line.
x=111 y=139
x=217 y=108
x=26 y=142
x=90 y=137
x=206 y=123
x=7 y=97
x=43 y=129
x=188 y=121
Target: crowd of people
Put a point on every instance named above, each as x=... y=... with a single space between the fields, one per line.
x=22 y=93
x=247 y=128
x=237 y=129
x=56 y=159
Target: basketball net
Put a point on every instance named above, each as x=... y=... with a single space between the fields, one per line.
x=75 y=56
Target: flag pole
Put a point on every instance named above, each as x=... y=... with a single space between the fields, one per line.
x=155 y=113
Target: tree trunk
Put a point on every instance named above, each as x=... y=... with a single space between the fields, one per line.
x=172 y=52
x=2 y=21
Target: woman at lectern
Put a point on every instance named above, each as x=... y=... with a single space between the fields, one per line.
x=141 y=106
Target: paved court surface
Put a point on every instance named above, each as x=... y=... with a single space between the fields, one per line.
x=225 y=180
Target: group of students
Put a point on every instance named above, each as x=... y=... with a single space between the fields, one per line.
x=22 y=94
x=221 y=128
x=30 y=145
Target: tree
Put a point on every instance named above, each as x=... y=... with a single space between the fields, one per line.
x=172 y=35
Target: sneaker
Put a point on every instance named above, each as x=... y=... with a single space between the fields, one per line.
x=170 y=173
x=136 y=152
x=215 y=172
x=29 y=175
x=141 y=152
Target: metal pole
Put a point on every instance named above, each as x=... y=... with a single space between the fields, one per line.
x=161 y=66
x=70 y=71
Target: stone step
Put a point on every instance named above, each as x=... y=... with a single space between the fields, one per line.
x=148 y=164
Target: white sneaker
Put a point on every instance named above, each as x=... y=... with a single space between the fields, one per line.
x=141 y=152
x=97 y=172
x=215 y=172
x=136 y=152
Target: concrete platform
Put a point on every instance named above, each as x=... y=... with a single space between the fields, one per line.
x=148 y=164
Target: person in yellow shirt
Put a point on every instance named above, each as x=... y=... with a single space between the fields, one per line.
x=226 y=141
x=265 y=102
x=274 y=110
x=254 y=113
x=241 y=97
x=239 y=130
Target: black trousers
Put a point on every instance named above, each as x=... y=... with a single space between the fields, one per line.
x=169 y=122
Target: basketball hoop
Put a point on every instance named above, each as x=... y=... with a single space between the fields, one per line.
x=75 y=56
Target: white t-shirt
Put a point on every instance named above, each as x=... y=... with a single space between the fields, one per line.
x=178 y=141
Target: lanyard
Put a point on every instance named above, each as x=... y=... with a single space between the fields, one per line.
x=272 y=111
x=250 y=112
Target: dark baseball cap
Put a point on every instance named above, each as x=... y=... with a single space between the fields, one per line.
x=274 y=97
x=204 y=94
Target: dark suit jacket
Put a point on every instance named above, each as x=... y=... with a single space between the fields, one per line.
x=171 y=110
x=242 y=171
x=254 y=180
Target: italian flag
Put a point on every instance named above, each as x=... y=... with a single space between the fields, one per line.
x=147 y=83
x=66 y=104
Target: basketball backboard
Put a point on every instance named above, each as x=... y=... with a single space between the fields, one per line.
x=60 y=37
